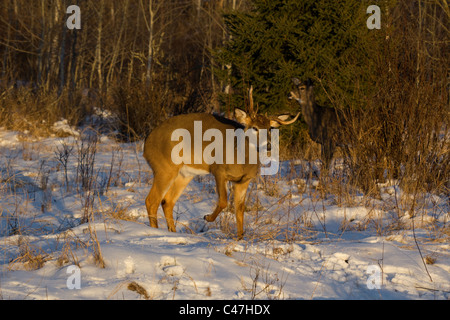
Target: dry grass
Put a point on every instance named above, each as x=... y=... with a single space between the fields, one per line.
x=119 y=212
x=70 y=243
x=265 y=284
x=136 y=287
x=30 y=257
x=33 y=112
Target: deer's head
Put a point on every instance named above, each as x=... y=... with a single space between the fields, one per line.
x=303 y=92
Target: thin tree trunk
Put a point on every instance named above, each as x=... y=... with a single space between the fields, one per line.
x=55 y=46
x=97 y=65
x=6 y=54
x=41 y=45
x=73 y=60
x=148 y=76
x=117 y=47
x=99 y=46
x=62 y=55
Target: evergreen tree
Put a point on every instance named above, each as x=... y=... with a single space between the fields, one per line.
x=276 y=40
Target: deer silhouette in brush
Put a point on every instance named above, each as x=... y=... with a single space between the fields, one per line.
x=323 y=123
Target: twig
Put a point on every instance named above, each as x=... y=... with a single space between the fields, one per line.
x=431 y=289
x=418 y=248
x=414 y=230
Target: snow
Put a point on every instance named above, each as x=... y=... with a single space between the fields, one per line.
x=298 y=244
x=63 y=126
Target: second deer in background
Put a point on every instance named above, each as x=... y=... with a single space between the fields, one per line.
x=323 y=123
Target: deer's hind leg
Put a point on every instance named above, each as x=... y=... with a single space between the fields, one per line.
x=162 y=181
x=171 y=197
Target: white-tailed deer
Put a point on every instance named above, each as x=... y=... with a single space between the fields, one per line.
x=171 y=178
x=323 y=122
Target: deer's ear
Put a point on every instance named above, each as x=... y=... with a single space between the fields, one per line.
x=296 y=81
x=283 y=120
x=284 y=117
x=242 y=116
x=274 y=124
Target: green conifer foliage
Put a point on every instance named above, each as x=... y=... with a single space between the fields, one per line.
x=276 y=40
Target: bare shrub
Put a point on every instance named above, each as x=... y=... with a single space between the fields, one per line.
x=31 y=110
x=139 y=109
x=398 y=129
x=62 y=156
x=87 y=149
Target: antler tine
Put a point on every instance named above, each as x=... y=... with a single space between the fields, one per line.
x=285 y=122
x=250 y=100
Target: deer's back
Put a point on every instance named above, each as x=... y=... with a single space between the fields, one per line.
x=159 y=145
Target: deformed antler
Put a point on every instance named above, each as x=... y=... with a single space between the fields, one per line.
x=294 y=96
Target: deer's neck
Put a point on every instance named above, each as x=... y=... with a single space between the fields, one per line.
x=308 y=111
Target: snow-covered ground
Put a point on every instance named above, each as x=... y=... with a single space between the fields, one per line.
x=299 y=244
